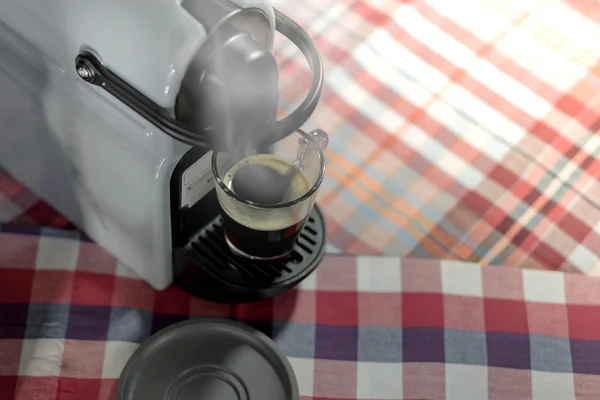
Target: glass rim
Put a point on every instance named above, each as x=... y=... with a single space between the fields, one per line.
x=305 y=196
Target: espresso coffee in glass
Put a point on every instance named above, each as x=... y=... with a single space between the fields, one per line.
x=266 y=197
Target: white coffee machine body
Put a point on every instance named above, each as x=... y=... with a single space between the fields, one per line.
x=76 y=146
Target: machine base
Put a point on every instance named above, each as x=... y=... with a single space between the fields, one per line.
x=207 y=268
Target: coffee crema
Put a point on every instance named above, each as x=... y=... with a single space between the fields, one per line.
x=296 y=185
x=267 y=173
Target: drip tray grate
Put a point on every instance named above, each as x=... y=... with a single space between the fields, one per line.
x=207 y=268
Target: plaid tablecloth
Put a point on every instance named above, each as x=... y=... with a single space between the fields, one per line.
x=461 y=129
x=360 y=327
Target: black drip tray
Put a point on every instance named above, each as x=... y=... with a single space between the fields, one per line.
x=206 y=267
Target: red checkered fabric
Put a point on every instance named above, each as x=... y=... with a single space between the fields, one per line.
x=462 y=130
x=359 y=327
x=459 y=130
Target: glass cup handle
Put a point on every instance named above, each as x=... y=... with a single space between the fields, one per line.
x=320 y=138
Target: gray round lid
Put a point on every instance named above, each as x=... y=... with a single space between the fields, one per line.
x=208 y=359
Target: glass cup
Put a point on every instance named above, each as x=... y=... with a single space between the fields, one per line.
x=265 y=209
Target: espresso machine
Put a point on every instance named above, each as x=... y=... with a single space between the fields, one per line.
x=110 y=111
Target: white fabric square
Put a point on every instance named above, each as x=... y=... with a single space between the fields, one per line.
x=379 y=381
x=390 y=120
x=338 y=80
x=461 y=278
x=543 y=286
x=41 y=357
x=483 y=114
x=355 y=94
x=310 y=282
x=552 y=385
x=325 y=20
x=532 y=53
x=379 y=274
x=592 y=143
x=583 y=259
x=466 y=382
x=304 y=368
x=415 y=137
x=485 y=22
x=375 y=62
x=456 y=167
x=407 y=64
x=562 y=17
x=57 y=253
x=116 y=356
x=434 y=37
x=512 y=90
